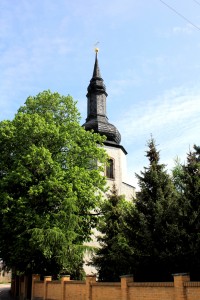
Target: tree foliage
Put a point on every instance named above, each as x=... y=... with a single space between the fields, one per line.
x=153 y=224
x=49 y=185
x=177 y=174
x=188 y=178
x=159 y=234
x=111 y=259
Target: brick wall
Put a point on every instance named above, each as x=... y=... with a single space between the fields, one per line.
x=151 y=290
x=192 y=290
x=65 y=289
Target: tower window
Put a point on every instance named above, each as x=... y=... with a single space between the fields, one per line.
x=110 y=168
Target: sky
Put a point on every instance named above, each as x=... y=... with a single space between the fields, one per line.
x=149 y=57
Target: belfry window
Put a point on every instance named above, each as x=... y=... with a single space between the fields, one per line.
x=110 y=168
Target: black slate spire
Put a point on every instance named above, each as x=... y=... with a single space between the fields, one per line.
x=96 y=83
x=96 y=112
x=96 y=72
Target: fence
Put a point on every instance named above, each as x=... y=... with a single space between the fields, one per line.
x=65 y=289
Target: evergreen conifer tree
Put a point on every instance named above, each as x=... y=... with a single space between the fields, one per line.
x=190 y=219
x=153 y=229
x=111 y=259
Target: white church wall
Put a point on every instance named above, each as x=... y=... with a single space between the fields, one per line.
x=120 y=172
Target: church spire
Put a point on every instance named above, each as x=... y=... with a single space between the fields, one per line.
x=97 y=119
x=96 y=72
x=96 y=83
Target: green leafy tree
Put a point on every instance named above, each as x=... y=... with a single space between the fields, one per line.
x=111 y=259
x=49 y=185
x=152 y=226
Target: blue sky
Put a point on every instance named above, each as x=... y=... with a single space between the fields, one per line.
x=149 y=60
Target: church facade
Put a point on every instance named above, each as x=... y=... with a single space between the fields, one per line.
x=97 y=120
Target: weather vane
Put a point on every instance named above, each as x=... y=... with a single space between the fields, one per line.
x=96 y=49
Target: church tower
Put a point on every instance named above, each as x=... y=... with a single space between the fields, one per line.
x=97 y=120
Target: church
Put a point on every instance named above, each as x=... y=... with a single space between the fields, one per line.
x=116 y=169
x=97 y=120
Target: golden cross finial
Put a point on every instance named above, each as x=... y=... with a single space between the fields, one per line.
x=96 y=49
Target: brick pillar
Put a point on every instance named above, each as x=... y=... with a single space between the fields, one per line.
x=89 y=280
x=179 y=289
x=125 y=279
x=46 y=279
x=35 y=277
x=64 y=278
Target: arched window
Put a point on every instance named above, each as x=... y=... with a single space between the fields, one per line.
x=110 y=168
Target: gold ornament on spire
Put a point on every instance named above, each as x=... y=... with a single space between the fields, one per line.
x=96 y=49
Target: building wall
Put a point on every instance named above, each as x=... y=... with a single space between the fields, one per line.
x=120 y=172
x=120 y=181
x=5 y=279
x=90 y=270
x=181 y=289
x=5 y=276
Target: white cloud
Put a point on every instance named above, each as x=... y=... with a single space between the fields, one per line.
x=168 y=112
x=172 y=119
x=188 y=29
